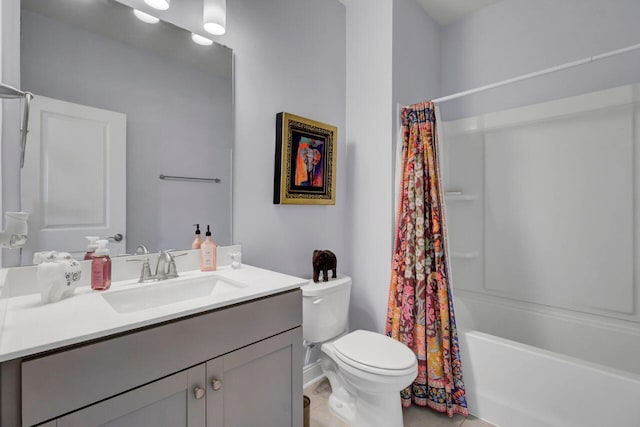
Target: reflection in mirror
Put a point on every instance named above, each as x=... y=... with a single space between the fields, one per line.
x=119 y=102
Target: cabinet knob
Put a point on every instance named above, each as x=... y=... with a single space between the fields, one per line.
x=216 y=384
x=198 y=392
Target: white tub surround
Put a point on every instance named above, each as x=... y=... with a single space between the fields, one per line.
x=513 y=384
x=544 y=274
x=28 y=327
x=542 y=247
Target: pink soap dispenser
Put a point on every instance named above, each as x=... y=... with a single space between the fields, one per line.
x=197 y=242
x=101 y=267
x=208 y=253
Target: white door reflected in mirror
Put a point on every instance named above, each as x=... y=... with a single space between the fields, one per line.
x=72 y=181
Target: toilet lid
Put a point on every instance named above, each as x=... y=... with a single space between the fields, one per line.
x=375 y=350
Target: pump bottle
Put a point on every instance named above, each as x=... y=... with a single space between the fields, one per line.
x=101 y=267
x=197 y=242
x=208 y=253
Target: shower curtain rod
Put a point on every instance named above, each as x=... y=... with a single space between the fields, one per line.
x=539 y=73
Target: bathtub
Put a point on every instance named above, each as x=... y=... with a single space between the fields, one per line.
x=513 y=384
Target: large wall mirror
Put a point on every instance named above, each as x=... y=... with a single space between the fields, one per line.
x=131 y=129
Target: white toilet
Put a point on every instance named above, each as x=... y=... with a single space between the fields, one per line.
x=366 y=370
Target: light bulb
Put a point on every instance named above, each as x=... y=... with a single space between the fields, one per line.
x=158 y=4
x=202 y=41
x=214 y=16
x=213 y=28
x=145 y=17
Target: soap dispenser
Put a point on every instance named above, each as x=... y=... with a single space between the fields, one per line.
x=101 y=267
x=208 y=253
x=91 y=248
x=197 y=242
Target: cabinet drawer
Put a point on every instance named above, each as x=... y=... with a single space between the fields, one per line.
x=168 y=402
x=83 y=375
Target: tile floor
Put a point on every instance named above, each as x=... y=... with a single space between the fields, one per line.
x=413 y=417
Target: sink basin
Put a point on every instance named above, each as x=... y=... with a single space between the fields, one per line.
x=168 y=292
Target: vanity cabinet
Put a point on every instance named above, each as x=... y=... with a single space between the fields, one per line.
x=251 y=388
x=169 y=402
x=247 y=387
x=239 y=366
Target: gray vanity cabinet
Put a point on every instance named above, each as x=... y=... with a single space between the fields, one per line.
x=169 y=402
x=254 y=386
x=248 y=387
x=239 y=366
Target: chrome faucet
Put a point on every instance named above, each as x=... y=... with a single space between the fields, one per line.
x=141 y=250
x=167 y=262
x=165 y=267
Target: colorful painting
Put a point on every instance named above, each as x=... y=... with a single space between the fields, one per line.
x=308 y=167
x=305 y=161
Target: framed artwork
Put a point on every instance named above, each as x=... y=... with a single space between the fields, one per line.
x=305 y=169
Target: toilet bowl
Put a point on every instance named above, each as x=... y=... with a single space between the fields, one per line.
x=366 y=370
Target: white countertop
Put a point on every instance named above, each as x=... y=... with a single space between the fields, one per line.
x=28 y=327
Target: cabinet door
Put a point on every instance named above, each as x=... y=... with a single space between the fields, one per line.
x=258 y=385
x=169 y=402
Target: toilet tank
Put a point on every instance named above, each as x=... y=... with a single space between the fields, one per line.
x=325 y=306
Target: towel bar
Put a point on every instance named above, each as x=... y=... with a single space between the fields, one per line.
x=187 y=178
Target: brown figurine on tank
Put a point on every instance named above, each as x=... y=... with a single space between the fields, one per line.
x=324 y=261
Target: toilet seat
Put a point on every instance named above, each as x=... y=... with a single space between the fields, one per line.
x=375 y=353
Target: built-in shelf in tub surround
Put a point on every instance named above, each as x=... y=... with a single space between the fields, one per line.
x=464 y=255
x=459 y=196
x=28 y=327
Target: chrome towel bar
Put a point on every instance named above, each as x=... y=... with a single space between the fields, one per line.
x=187 y=178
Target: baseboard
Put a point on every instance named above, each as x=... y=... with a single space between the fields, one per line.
x=311 y=373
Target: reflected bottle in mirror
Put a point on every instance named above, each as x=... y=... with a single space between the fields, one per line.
x=101 y=267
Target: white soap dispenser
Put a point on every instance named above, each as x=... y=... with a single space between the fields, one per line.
x=91 y=248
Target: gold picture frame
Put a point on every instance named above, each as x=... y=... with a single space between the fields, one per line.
x=305 y=161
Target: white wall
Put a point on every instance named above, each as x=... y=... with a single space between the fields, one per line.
x=369 y=140
x=289 y=56
x=514 y=37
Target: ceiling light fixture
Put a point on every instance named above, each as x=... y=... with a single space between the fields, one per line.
x=158 y=4
x=214 y=16
x=145 y=17
x=202 y=41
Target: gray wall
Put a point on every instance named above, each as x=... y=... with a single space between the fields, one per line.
x=416 y=69
x=289 y=56
x=416 y=54
x=178 y=123
x=514 y=37
x=392 y=57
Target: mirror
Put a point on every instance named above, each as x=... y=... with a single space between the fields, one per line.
x=118 y=104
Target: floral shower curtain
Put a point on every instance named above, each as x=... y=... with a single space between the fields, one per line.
x=420 y=312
